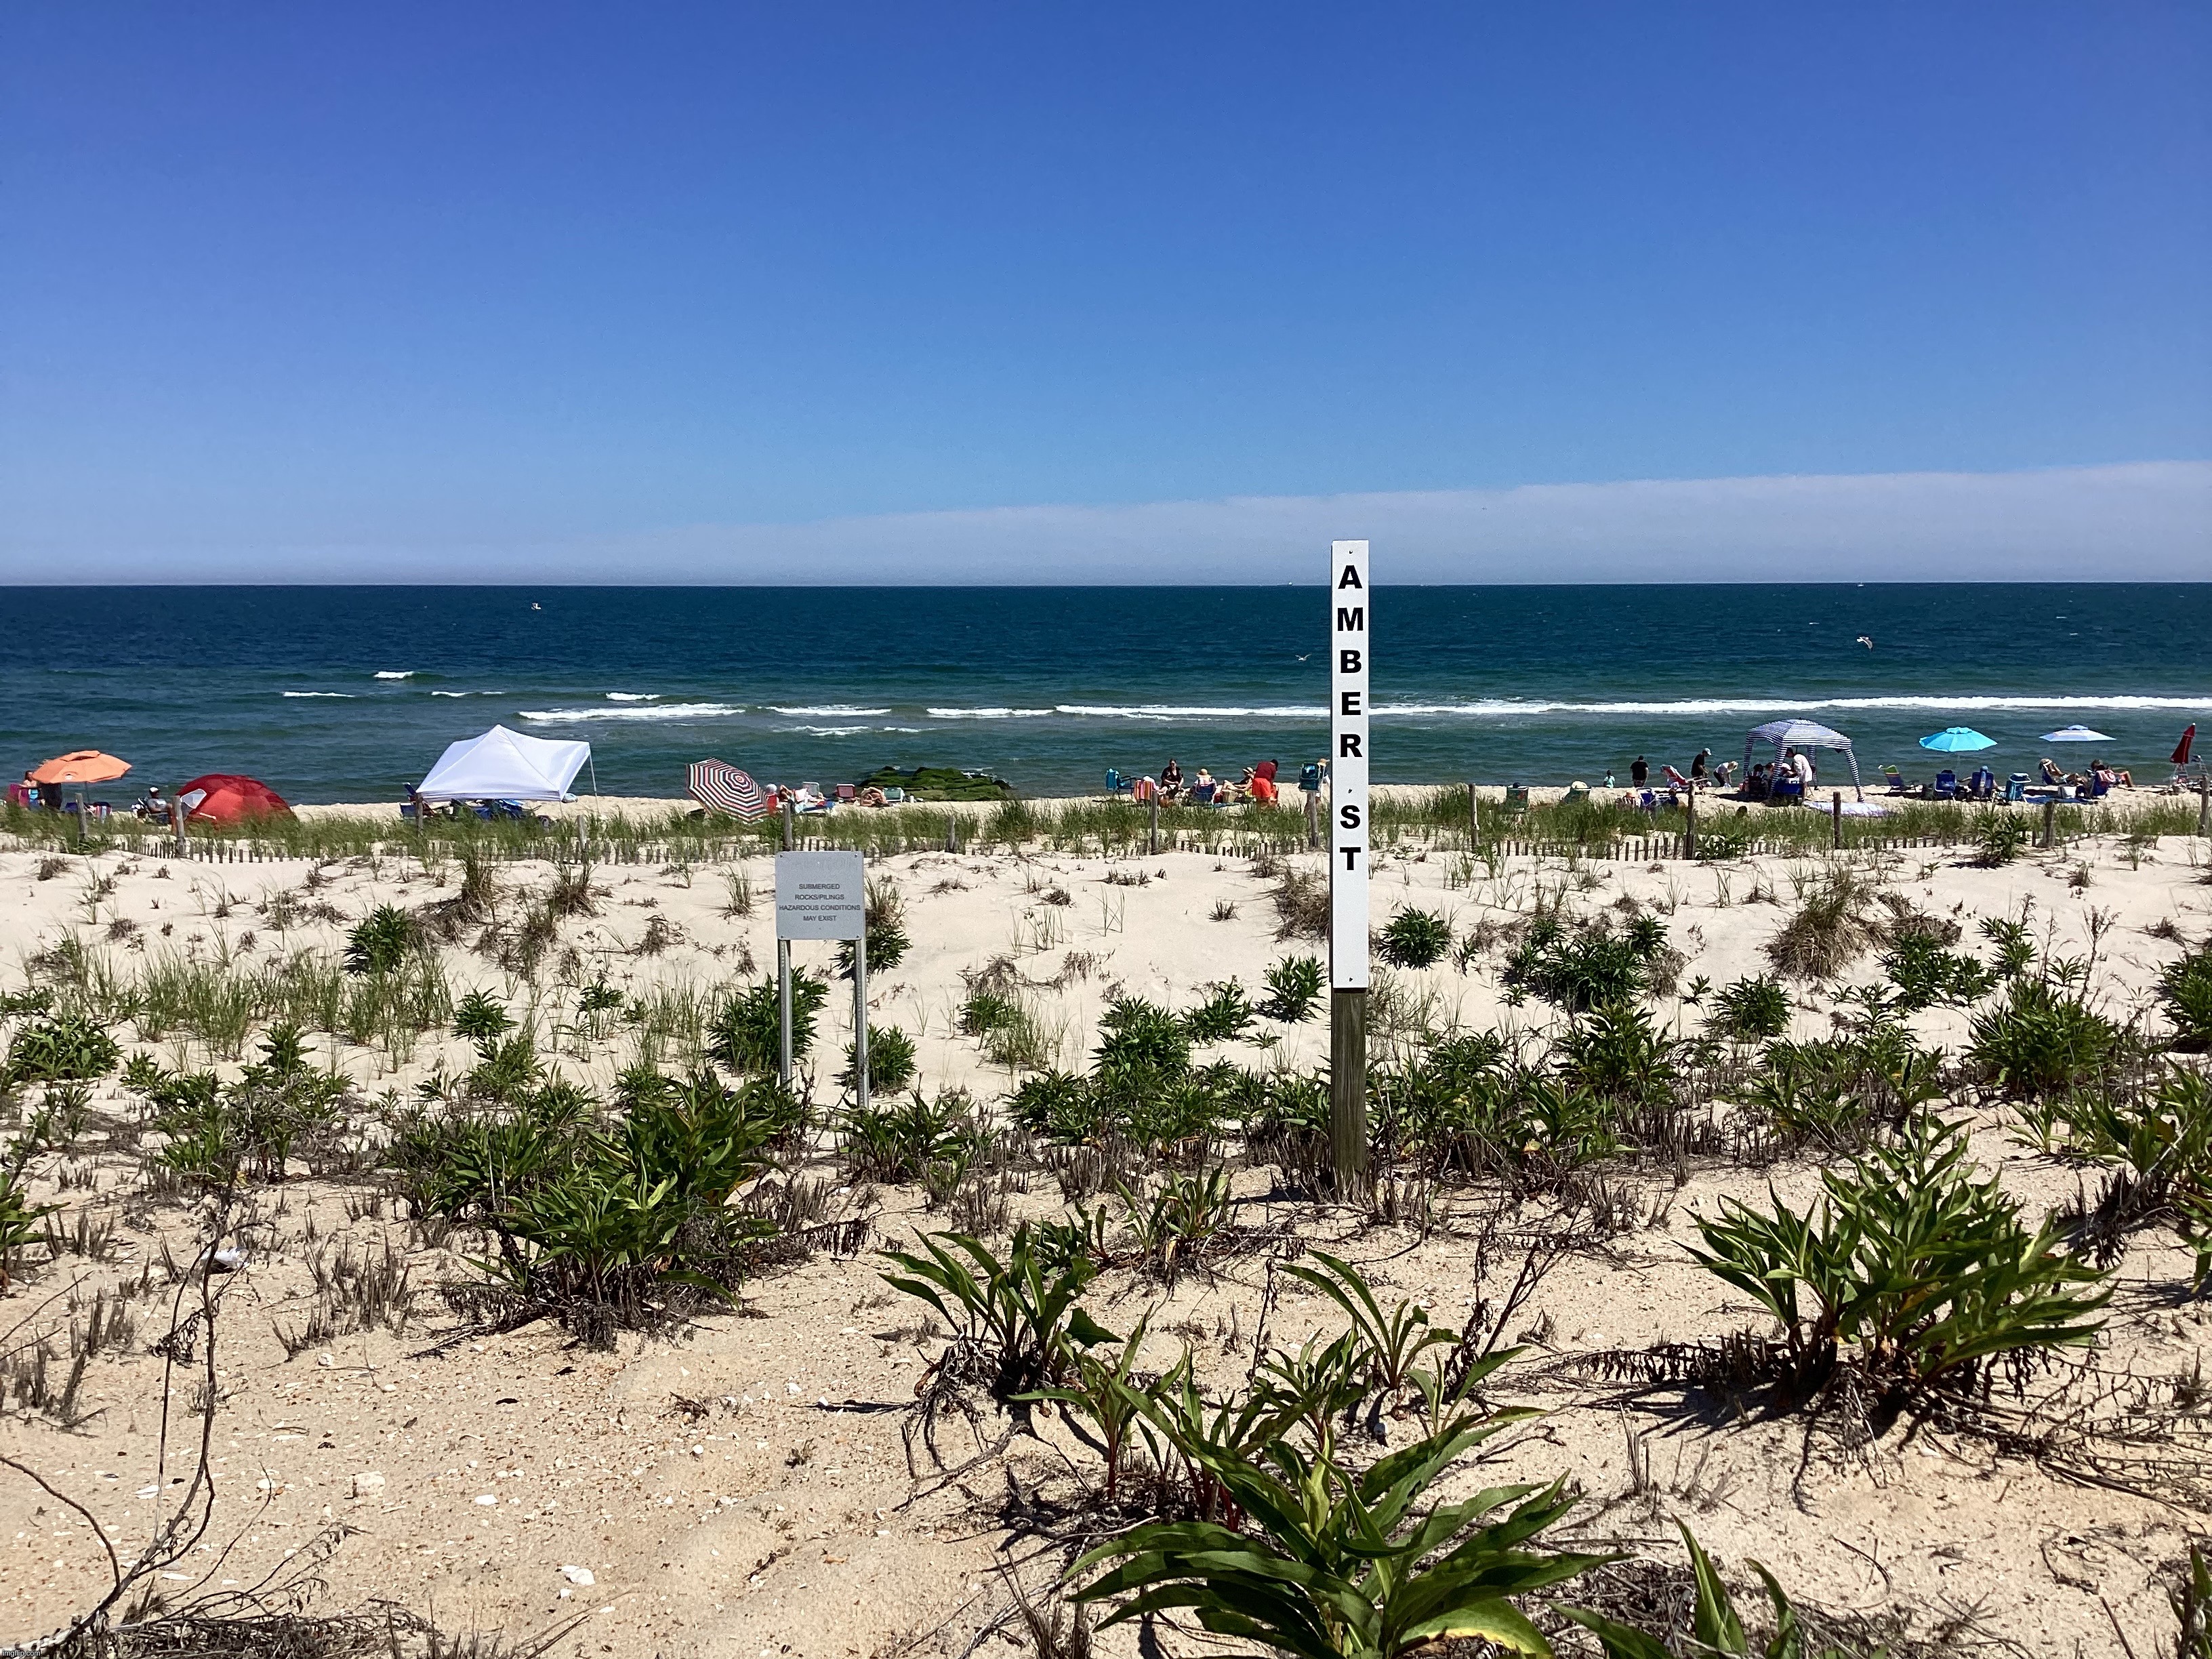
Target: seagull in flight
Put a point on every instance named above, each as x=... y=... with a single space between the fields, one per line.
x=1866 y=641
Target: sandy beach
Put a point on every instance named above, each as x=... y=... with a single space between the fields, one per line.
x=740 y=1481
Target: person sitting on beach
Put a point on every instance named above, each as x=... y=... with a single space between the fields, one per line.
x=2102 y=775
x=2052 y=773
x=1755 y=787
x=1171 y=780
x=151 y=807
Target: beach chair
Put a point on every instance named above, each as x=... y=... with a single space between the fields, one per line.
x=1983 y=786
x=1680 y=785
x=893 y=794
x=1115 y=783
x=1786 y=791
x=1201 y=794
x=2015 y=789
x=1947 y=785
x=1898 y=785
x=1144 y=789
x=1517 y=799
x=847 y=793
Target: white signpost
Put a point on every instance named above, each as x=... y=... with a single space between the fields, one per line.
x=1349 y=655
x=824 y=896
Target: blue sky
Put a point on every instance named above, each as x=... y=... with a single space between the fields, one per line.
x=299 y=291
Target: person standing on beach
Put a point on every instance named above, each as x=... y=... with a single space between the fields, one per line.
x=1639 y=772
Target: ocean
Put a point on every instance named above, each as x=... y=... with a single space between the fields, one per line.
x=333 y=693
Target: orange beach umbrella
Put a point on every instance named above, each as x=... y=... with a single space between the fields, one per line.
x=85 y=766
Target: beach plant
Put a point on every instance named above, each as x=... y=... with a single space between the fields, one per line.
x=480 y=1015
x=1414 y=939
x=593 y=1222
x=381 y=941
x=1999 y=838
x=901 y=1140
x=2015 y=946
x=1750 y=1010
x=1389 y=1345
x=1137 y=1035
x=1016 y=1322
x=22 y=1221
x=883 y=918
x=1294 y=989
x=1328 y=1562
x=2185 y=989
x=745 y=1032
x=1301 y=905
x=1224 y=1017
x=1103 y=1390
x=892 y=1062
x=1906 y=1267
x=1716 y=1630
x=1583 y=969
x=1835 y=924
x=62 y=1047
x=2041 y=1038
x=1179 y=1217
x=1059 y=1106
x=1926 y=974
x=1619 y=1052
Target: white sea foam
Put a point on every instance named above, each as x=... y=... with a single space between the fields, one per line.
x=634 y=696
x=1516 y=707
x=830 y=709
x=825 y=731
x=318 y=694
x=670 y=711
x=393 y=674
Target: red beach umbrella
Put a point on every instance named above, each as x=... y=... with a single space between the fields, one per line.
x=225 y=798
x=2181 y=749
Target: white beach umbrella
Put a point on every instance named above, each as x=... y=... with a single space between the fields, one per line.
x=2075 y=734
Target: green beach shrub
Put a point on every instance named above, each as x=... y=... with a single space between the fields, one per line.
x=890 y=1060
x=381 y=941
x=1294 y=989
x=480 y=1015
x=2040 y=1039
x=1415 y=939
x=64 y=1047
x=1906 y=1267
x=1224 y=1017
x=2185 y=989
x=1750 y=1010
x=746 y=1032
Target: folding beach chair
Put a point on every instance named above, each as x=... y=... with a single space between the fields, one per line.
x=1947 y=785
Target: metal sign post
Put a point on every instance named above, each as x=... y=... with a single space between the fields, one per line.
x=1348 y=659
x=824 y=896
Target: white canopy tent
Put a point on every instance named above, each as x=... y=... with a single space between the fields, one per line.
x=1801 y=734
x=504 y=765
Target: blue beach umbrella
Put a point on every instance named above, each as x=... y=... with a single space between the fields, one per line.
x=1957 y=740
x=2075 y=734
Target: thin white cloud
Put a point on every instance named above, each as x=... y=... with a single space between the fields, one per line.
x=2142 y=522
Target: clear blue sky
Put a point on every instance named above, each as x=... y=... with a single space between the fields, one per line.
x=284 y=277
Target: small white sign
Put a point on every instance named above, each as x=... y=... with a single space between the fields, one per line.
x=820 y=895
x=1348 y=661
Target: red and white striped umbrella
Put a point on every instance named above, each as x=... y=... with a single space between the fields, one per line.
x=721 y=788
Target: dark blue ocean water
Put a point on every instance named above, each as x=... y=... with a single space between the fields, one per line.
x=348 y=693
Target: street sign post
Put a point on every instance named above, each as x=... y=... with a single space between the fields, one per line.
x=1349 y=655
x=824 y=896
